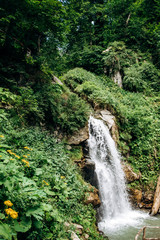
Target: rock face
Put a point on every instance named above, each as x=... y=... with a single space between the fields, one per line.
x=93 y=198
x=141 y=199
x=156 y=202
x=83 y=133
x=88 y=167
x=117 y=78
x=107 y=116
x=130 y=175
x=79 y=136
x=56 y=80
x=110 y=121
x=89 y=173
x=135 y=196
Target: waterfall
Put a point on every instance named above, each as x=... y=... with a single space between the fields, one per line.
x=115 y=209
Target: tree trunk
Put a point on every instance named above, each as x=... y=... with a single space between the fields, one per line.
x=156 y=202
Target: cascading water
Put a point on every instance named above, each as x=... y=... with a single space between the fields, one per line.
x=115 y=211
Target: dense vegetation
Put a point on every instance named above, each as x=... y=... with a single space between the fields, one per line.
x=137 y=117
x=43 y=38
x=41 y=187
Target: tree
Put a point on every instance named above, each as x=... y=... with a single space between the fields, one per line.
x=24 y=28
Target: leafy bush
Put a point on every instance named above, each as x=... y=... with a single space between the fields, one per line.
x=89 y=58
x=141 y=78
x=77 y=76
x=117 y=57
x=62 y=108
x=41 y=188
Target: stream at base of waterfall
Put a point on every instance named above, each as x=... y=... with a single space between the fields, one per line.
x=116 y=217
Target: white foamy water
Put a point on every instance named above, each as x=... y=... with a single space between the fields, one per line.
x=115 y=212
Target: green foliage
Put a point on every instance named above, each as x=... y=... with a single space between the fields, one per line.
x=137 y=117
x=89 y=58
x=117 y=57
x=77 y=76
x=43 y=185
x=46 y=102
x=22 y=106
x=61 y=108
x=142 y=78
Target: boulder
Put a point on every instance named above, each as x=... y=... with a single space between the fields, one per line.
x=144 y=205
x=135 y=196
x=80 y=136
x=148 y=197
x=93 y=198
x=78 y=227
x=74 y=236
x=130 y=175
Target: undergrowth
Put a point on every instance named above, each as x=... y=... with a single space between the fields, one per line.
x=40 y=187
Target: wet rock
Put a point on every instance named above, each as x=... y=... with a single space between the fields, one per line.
x=107 y=117
x=89 y=172
x=130 y=175
x=115 y=133
x=88 y=169
x=93 y=198
x=110 y=121
x=135 y=196
x=148 y=197
x=144 y=205
x=79 y=136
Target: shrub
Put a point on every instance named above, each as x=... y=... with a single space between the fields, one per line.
x=141 y=78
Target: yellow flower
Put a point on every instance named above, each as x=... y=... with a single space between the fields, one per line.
x=1 y=136
x=27 y=148
x=14 y=214
x=11 y=159
x=10 y=152
x=26 y=162
x=17 y=156
x=0 y=155
x=24 y=156
x=46 y=183
x=8 y=203
x=62 y=177
x=8 y=211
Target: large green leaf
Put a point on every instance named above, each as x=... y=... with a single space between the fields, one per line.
x=5 y=231
x=36 y=212
x=24 y=225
